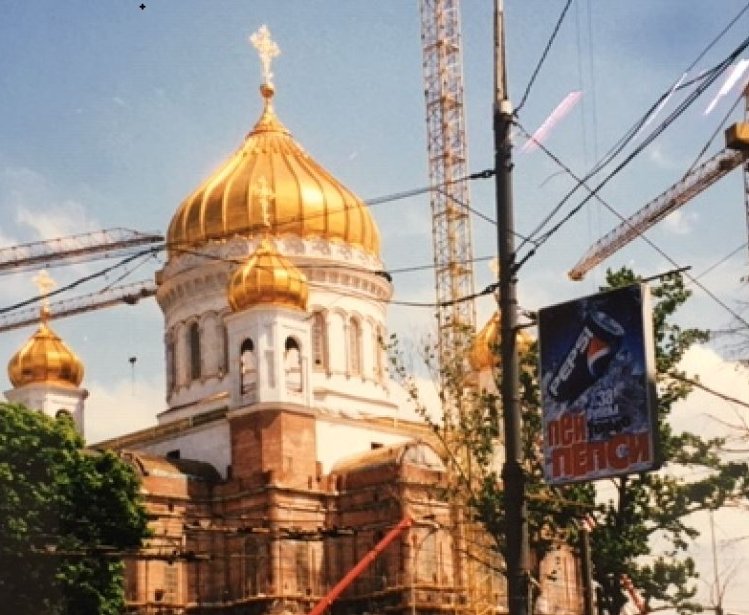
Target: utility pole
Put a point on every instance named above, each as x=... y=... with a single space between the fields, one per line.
x=587 y=570
x=512 y=472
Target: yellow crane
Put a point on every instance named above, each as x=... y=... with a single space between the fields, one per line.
x=693 y=183
x=447 y=151
x=76 y=248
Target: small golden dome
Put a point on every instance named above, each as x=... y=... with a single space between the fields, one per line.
x=298 y=197
x=268 y=278
x=45 y=358
x=485 y=353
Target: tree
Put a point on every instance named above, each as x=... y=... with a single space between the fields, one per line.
x=65 y=512
x=645 y=508
x=661 y=504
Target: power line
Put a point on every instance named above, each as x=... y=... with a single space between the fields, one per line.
x=82 y=280
x=706 y=79
x=683 y=106
x=716 y=132
x=722 y=260
x=545 y=52
x=582 y=182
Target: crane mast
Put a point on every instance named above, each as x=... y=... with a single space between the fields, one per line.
x=448 y=168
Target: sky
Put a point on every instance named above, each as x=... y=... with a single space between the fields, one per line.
x=110 y=115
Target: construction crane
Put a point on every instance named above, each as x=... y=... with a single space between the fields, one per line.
x=76 y=248
x=128 y=294
x=73 y=248
x=448 y=168
x=693 y=183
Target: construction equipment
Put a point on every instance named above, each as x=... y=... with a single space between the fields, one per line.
x=692 y=184
x=73 y=248
x=129 y=294
x=365 y=561
x=448 y=168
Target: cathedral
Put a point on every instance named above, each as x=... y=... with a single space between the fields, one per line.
x=280 y=460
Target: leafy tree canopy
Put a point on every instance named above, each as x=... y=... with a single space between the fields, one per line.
x=644 y=509
x=65 y=513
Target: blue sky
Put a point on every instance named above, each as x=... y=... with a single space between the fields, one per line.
x=111 y=115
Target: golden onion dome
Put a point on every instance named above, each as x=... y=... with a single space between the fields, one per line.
x=45 y=358
x=268 y=278
x=485 y=353
x=304 y=199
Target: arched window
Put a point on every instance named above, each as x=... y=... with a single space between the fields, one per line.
x=171 y=371
x=248 y=367
x=194 y=339
x=223 y=361
x=378 y=343
x=292 y=361
x=354 y=346
x=319 y=342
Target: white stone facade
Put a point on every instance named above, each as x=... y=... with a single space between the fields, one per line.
x=51 y=399
x=342 y=366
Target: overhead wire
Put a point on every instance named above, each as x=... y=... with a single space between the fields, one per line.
x=544 y=54
x=632 y=132
x=660 y=251
x=727 y=257
x=683 y=106
x=81 y=280
x=715 y=133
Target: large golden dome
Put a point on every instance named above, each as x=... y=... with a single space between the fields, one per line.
x=303 y=198
x=268 y=278
x=45 y=358
x=485 y=352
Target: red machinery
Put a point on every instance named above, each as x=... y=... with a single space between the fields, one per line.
x=365 y=561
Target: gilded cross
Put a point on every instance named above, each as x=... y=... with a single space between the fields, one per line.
x=266 y=49
x=264 y=194
x=45 y=284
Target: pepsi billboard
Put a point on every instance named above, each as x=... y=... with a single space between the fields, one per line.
x=598 y=386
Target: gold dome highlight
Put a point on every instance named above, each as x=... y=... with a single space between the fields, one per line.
x=268 y=278
x=485 y=352
x=304 y=199
x=45 y=358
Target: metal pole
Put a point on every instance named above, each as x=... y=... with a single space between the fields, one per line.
x=512 y=471
x=587 y=572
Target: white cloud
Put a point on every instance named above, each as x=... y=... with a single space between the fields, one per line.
x=39 y=208
x=59 y=220
x=702 y=411
x=680 y=222
x=121 y=407
x=659 y=158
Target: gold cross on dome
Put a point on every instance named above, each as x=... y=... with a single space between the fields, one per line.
x=266 y=49
x=264 y=194
x=45 y=284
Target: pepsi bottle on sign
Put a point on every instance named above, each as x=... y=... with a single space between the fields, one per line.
x=589 y=357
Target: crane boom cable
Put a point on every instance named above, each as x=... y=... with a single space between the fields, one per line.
x=692 y=279
x=683 y=106
x=708 y=76
x=653 y=212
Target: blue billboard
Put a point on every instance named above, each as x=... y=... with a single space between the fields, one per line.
x=598 y=386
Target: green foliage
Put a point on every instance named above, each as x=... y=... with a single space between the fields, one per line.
x=644 y=509
x=62 y=508
x=660 y=505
